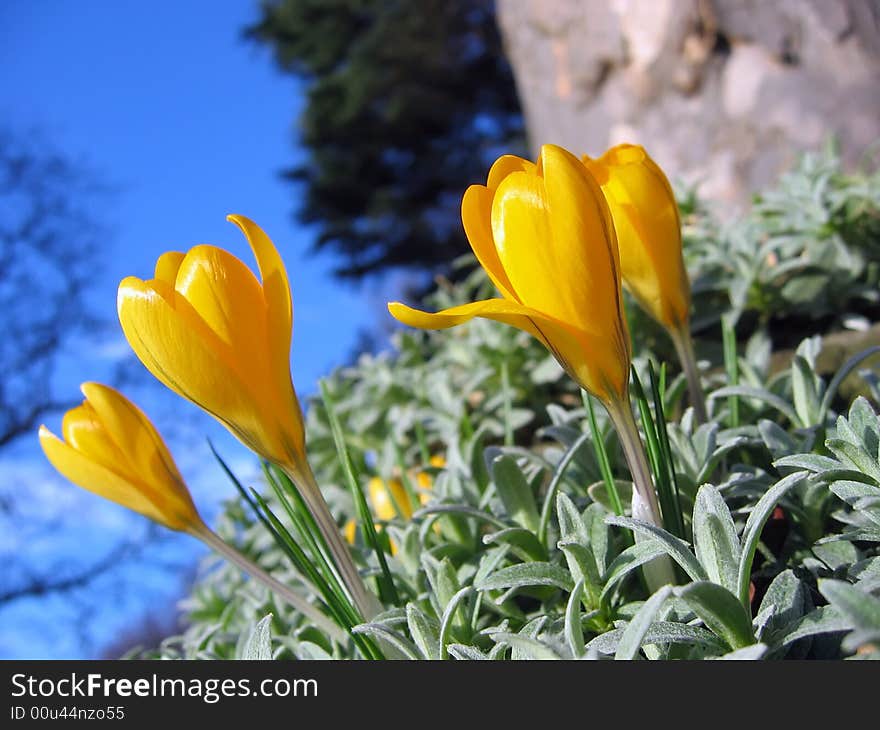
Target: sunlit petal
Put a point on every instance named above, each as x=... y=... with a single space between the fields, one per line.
x=646 y=218
x=133 y=435
x=191 y=365
x=476 y=216
x=167 y=266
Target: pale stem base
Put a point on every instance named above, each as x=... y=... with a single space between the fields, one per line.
x=658 y=572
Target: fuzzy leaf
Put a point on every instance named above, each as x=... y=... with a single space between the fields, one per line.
x=515 y=493
x=715 y=542
x=259 y=641
x=720 y=610
x=677 y=549
x=755 y=524
x=424 y=630
x=635 y=631
x=528 y=574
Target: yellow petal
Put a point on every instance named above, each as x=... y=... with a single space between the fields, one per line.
x=279 y=327
x=504 y=166
x=166 y=337
x=100 y=480
x=276 y=288
x=83 y=431
x=592 y=361
x=646 y=217
x=349 y=531
x=554 y=244
x=476 y=216
x=227 y=296
x=167 y=266
x=380 y=499
x=135 y=436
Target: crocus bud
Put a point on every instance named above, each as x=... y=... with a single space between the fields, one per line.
x=109 y=447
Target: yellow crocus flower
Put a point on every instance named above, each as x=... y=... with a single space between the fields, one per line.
x=112 y=449
x=207 y=328
x=648 y=227
x=109 y=447
x=425 y=481
x=389 y=499
x=544 y=234
x=648 y=231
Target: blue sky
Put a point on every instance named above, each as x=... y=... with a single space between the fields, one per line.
x=188 y=122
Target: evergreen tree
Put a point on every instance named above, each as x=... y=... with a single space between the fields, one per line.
x=407 y=103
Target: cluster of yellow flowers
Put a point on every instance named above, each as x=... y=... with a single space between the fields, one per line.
x=390 y=499
x=557 y=237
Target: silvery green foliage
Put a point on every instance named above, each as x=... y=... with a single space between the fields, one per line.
x=516 y=554
x=808 y=248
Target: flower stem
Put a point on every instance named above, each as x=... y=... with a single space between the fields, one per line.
x=645 y=507
x=684 y=347
x=645 y=504
x=216 y=543
x=366 y=603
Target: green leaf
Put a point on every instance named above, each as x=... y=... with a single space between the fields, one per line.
x=612 y=495
x=630 y=559
x=594 y=519
x=840 y=376
x=530 y=648
x=856 y=457
x=582 y=566
x=715 y=541
x=755 y=524
x=388 y=636
x=442 y=579
x=759 y=394
x=637 y=629
x=524 y=543
x=447 y=618
x=777 y=440
x=815 y=463
x=805 y=384
x=515 y=493
x=747 y=653
x=731 y=366
x=659 y=632
x=259 y=641
x=571 y=524
x=555 y=481
x=864 y=422
x=458 y=509
x=823 y=620
x=861 y=608
x=676 y=548
x=365 y=517
x=528 y=574
x=599 y=493
x=464 y=652
x=720 y=610
x=574 y=633
x=424 y=630
x=782 y=605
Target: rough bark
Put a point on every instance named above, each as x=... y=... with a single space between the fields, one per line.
x=726 y=92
